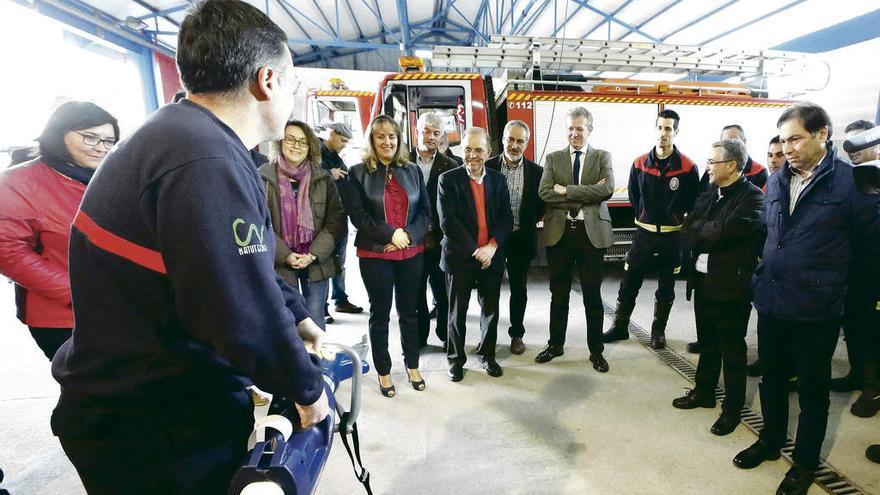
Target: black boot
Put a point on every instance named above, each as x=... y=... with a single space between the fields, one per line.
x=852 y=380
x=867 y=405
x=620 y=328
x=658 y=327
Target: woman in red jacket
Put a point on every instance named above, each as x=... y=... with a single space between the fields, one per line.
x=38 y=201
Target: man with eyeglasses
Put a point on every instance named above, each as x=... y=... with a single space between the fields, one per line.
x=813 y=215
x=475 y=217
x=427 y=156
x=174 y=289
x=725 y=233
x=523 y=177
x=754 y=172
x=334 y=139
x=663 y=185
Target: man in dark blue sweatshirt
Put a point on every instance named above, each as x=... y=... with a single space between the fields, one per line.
x=173 y=286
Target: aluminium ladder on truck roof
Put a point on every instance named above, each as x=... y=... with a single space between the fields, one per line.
x=522 y=53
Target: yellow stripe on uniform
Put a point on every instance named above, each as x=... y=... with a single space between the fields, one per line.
x=663 y=229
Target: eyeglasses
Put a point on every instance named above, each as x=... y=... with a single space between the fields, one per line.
x=716 y=162
x=93 y=140
x=293 y=142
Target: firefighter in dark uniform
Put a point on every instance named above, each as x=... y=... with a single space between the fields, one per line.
x=868 y=183
x=860 y=304
x=663 y=185
x=172 y=275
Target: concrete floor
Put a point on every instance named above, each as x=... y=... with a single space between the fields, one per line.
x=556 y=428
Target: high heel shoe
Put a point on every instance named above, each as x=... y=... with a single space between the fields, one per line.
x=387 y=391
x=416 y=385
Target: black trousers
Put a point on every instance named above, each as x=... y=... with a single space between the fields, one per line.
x=860 y=325
x=519 y=253
x=721 y=330
x=50 y=339
x=640 y=258
x=117 y=450
x=574 y=251
x=432 y=275
x=384 y=280
x=809 y=347
x=459 y=285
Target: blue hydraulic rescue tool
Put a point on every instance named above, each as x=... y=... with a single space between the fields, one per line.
x=287 y=462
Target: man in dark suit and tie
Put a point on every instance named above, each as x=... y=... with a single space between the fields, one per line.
x=432 y=163
x=476 y=220
x=576 y=184
x=523 y=176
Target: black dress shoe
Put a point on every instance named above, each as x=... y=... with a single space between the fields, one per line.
x=754 y=369
x=753 y=456
x=599 y=363
x=613 y=335
x=694 y=399
x=491 y=366
x=517 y=346
x=725 y=424
x=867 y=405
x=846 y=383
x=797 y=481
x=456 y=372
x=694 y=347
x=347 y=307
x=328 y=319
x=548 y=354
x=873 y=453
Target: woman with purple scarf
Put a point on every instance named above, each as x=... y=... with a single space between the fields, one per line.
x=307 y=215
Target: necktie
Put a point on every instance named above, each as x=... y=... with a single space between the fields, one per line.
x=575 y=179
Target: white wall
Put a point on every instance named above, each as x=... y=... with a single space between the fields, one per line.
x=854 y=87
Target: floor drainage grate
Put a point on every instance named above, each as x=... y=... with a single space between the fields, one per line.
x=827 y=476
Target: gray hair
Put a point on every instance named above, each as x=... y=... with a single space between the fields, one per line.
x=430 y=119
x=580 y=112
x=518 y=123
x=733 y=149
x=482 y=133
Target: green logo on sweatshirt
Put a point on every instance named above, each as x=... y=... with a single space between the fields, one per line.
x=244 y=246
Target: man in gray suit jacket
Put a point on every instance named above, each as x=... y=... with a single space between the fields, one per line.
x=576 y=184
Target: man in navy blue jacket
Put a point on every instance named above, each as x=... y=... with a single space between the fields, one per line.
x=813 y=213
x=172 y=279
x=475 y=216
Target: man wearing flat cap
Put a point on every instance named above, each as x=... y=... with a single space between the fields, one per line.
x=334 y=139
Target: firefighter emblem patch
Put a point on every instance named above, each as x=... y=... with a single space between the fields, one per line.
x=673 y=183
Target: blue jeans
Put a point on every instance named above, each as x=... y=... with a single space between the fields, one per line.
x=315 y=294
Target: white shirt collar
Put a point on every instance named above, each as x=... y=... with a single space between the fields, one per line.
x=480 y=179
